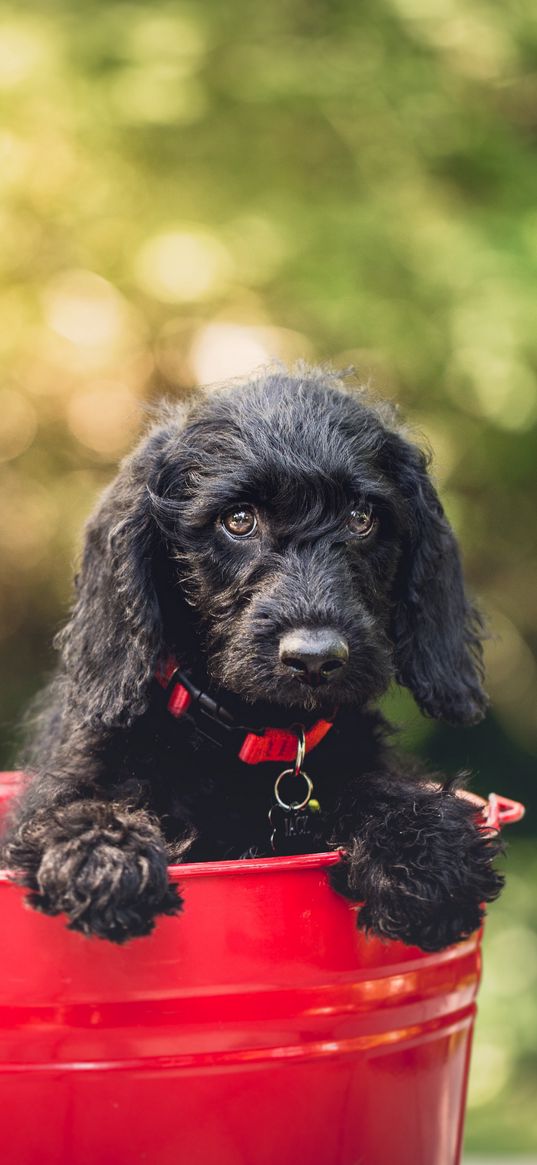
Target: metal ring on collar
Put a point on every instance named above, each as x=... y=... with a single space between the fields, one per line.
x=300 y=748
x=295 y=804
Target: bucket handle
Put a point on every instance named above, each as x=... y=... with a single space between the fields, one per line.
x=500 y=811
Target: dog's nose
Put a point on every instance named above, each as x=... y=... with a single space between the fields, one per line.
x=315 y=655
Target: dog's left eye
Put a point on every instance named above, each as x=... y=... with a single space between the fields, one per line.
x=362 y=521
x=240 y=522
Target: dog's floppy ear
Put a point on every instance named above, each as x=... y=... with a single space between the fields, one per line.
x=437 y=631
x=113 y=639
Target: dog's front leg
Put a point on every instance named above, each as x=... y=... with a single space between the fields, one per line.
x=421 y=866
x=103 y=864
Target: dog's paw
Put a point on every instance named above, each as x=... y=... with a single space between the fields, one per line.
x=423 y=870
x=104 y=867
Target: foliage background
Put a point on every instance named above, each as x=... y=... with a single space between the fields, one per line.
x=189 y=190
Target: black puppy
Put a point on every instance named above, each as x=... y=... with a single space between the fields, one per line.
x=271 y=554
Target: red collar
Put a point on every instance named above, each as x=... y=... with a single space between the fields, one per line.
x=264 y=744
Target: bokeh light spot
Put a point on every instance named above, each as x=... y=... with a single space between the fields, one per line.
x=85 y=309
x=23 y=51
x=182 y=266
x=157 y=93
x=165 y=36
x=104 y=417
x=221 y=351
x=491 y=1064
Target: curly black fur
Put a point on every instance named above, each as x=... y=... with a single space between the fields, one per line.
x=99 y=863
x=119 y=786
x=400 y=862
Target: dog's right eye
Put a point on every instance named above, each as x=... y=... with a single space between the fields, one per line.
x=240 y=522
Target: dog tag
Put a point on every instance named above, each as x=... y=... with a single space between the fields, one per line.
x=296 y=817
x=296 y=831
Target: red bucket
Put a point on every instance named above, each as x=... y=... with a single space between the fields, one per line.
x=260 y=1028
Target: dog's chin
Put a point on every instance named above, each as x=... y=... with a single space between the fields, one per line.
x=297 y=697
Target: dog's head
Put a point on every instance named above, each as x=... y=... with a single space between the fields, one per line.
x=283 y=536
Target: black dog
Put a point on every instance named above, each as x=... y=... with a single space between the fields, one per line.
x=272 y=553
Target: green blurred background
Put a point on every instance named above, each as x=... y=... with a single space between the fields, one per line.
x=191 y=190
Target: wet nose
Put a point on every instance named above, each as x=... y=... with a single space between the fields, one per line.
x=314 y=655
